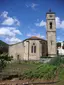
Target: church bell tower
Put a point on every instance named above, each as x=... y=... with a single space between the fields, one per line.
x=51 y=33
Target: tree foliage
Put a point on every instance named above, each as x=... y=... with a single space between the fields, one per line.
x=3 y=47
x=4 y=58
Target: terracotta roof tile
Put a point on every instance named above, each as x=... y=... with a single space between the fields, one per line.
x=34 y=38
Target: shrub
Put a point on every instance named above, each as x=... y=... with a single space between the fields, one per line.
x=44 y=71
x=56 y=61
x=3 y=59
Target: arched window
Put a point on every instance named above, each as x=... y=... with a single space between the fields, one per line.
x=33 y=48
x=50 y=25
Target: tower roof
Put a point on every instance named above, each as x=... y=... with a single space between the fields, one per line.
x=50 y=12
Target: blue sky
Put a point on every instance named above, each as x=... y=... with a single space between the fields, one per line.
x=21 y=19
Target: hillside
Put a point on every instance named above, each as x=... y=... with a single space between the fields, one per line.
x=3 y=47
x=3 y=43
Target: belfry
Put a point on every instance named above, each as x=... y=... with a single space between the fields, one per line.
x=51 y=33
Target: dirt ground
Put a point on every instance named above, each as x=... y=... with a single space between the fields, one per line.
x=26 y=82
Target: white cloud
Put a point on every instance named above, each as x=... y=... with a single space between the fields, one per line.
x=41 y=24
x=17 y=32
x=4 y=14
x=9 y=20
x=35 y=34
x=41 y=36
x=12 y=40
x=9 y=31
x=32 y=5
x=17 y=21
x=59 y=23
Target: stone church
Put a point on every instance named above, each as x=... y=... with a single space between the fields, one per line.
x=34 y=47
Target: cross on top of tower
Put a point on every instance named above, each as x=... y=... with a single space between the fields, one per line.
x=50 y=10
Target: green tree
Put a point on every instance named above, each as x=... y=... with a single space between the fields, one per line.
x=4 y=58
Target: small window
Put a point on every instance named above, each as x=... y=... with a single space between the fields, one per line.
x=50 y=25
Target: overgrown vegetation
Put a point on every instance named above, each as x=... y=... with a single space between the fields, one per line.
x=57 y=60
x=4 y=58
x=34 y=70
x=44 y=71
x=47 y=71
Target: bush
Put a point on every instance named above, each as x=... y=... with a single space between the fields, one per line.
x=44 y=71
x=27 y=74
x=3 y=60
x=56 y=61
